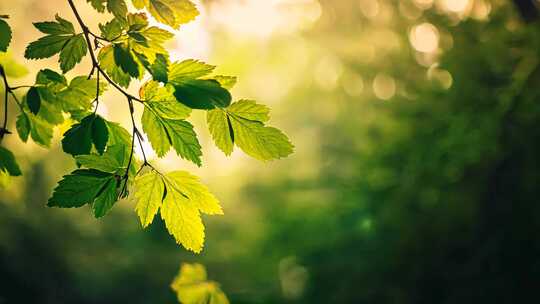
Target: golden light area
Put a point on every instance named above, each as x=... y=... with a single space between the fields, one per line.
x=353 y=84
x=456 y=6
x=424 y=38
x=423 y=4
x=384 y=86
x=327 y=72
x=370 y=8
x=261 y=18
x=440 y=76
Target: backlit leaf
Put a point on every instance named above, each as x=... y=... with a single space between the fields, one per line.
x=5 y=35
x=73 y=52
x=170 y=12
x=45 y=47
x=220 y=129
x=188 y=69
x=107 y=62
x=192 y=287
x=149 y=191
x=8 y=162
x=80 y=137
x=202 y=94
x=106 y=199
x=60 y=27
x=33 y=100
x=125 y=60
x=79 y=188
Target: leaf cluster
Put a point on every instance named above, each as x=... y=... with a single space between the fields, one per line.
x=128 y=48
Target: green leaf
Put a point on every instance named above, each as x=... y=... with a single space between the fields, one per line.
x=149 y=191
x=79 y=138
x=138 y=4
x=100 y=134
x=117 y=7
x=45 y=47
x=258 y=141
x=137 y=21
x=163 y=122
x=192 y=287
x=118 y=135
x=107 y=62
x=165 y=132
x=242 y=123
x=61 y=39
x=112 y=29
x=73 y=52
x=49 y=109
x=106 y=199
x=79 y=188
x=112 y=161
x=156 y=132
x=181 y=198
x=155 y=37
x=40 y=130
x=23 y=126
x=221 y=130
x=191 y=187
x=182 y=218
x=60 y=27
x=33 y=100
x=188 y=69
x=5 y=35
x=249 y=109
x=8 y=162
x=98 y=5
x=162 y=12
x=160 y=68
x=163 y=101
x=104 y=163
x=124 y=59
x=80 y=93
x=202 y=94
x=227 y=82
x=47 y=76
x=170 y=12
x=184 y=140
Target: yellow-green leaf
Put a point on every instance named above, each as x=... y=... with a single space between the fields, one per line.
x=219 y=127
x=182 y=217
x=259 y=141
x=186 y=198
x=197 y=192
x=251 y=110
x=170 y=12
x=149 y=189
x=192 y=287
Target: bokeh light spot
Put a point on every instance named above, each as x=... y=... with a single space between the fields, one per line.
x=384 y=86
x=424 y=38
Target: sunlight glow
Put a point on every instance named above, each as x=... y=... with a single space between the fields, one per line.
x=384 y=86
x=327 y=72
x=456 y=6
x=423 y=4
x=424 y=38
x=370 y=8
x=263 y=17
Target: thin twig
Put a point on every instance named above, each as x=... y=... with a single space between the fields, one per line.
x=95 y=63
x=7 y=89
x=96 y=67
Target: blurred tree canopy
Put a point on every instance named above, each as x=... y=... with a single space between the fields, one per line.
x=425 y=189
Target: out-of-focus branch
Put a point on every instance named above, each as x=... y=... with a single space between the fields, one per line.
x=528 y=9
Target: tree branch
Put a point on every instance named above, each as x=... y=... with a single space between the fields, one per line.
x=527 y=9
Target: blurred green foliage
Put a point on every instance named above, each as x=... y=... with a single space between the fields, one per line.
x=430 y=196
